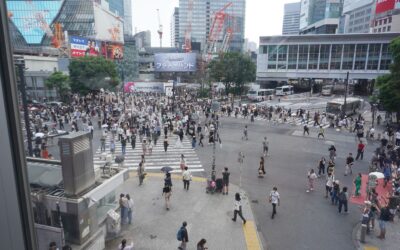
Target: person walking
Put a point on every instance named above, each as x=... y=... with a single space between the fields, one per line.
x=343 y=198
x=349 y=164
x=311 y=176
x=306 y=130
x=261 y=168
x=130 y=208
x=168 y=179
x=321 y=132
x=123 y=205
x=194 y=142
x=357 y=183
x=329 y=184
x=201 y=245
x=182 y=164
x=265 y=146
x=166 y=144
x=360 y=150
x=124 y=246
x=123 y=145
x=245 y=133
x=332 y=153
x=112 y=146
x=384 y=216
x=238 y=208
x=321 y=166
x=183 y=236
x=133 y=141
x=186 y=177
x=140 y=172
x=167 y=192
x=274 y=199
x=201 y=139
x=335 y=192
x=225 y=181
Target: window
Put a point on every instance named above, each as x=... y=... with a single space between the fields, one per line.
x=324 y=56
x=348 y=54
x=272 y=56
x=361 y=56
x=380 y=22
x=379 y=30
x=373 y=56
x=384 y=21
x=336 y=56
x=292 y=60
x=389 y=28
x=303 y=56
x=282 y=56
x=390 y=19
x=313 y=60
x=386 y=58
x=384 y=29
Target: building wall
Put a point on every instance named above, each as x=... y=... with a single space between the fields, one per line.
x=128 y=17
x=291 y=19
x=389 y=22
x=357 y=16
x=329 y=56
x=175 y=29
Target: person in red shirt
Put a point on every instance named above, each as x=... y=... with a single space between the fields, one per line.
x=360 y=150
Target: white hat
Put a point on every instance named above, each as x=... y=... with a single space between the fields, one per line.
x=337 y=181
x=367 y=203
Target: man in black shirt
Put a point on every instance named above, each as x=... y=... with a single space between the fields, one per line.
x=349 y=164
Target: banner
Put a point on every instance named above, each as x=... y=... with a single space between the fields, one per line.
x=175 y=62
x=144 y=87
x=81 y=46
x=384 y=5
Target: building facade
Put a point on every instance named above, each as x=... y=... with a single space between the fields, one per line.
x=357 y=16
x=387 y=16
x=203 y=13
x=291 y=19
x=320 y=16
x=175 y=28
x=364 y=56
x=143 y=39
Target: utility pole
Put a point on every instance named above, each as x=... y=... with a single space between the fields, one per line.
x=345 y=95
x=22 y=88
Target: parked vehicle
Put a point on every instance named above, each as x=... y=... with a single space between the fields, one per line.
x=284 y=90
x=337 y=107
x=260 y=94
x=327 y=90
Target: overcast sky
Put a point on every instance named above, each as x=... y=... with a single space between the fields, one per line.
x=263 y=17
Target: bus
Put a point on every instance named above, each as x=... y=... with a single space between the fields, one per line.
x=337 y=107
x=327 y=90
x=259 y=95
x=284 y=90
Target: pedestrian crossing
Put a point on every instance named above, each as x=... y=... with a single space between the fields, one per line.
x=154 y=161
x=295 y=121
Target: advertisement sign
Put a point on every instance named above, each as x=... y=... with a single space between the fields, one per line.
x=108 y=26
x=81 y=46
x=175 y=62
x=146 y=87
x=33 y=18
x=384 y=5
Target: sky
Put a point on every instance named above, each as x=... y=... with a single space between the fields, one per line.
x=263 y=18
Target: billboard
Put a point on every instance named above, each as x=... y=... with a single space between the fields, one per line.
x=108 y=27
x=146 y=87
x=33 y=18
x=397 y=6
x=384 y=5
x=175 y=62
x=81 y=46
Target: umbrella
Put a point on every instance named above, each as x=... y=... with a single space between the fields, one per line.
x=377 y=175
x=166 y=169
x=39 y=135
x=104 y=126
x=119 y=159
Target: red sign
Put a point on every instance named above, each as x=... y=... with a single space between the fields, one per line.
x=384 y=5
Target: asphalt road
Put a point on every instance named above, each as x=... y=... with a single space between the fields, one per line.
x=304 y=220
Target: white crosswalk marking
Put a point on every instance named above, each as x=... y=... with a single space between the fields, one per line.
x=157 y=159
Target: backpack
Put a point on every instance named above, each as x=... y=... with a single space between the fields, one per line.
x=342 y=196
x=179 y=235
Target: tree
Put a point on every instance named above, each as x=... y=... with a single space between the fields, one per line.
x=60 y=82
x=233 y=69
x=92 y=73
x=389 y=85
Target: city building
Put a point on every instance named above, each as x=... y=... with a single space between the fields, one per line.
x=202 y=16
x=175 y=28
x=387 y=16
x=324 y=58
x=291 y=19
x=320 y=16
x=128 y=30
x=357 y=16
x=142 y=39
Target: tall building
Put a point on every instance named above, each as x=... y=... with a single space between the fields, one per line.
x=387 y=16
x=320 y=16
x=175 y=28
x=203 y=13
x=128 y=17
x=357 y=16
x=121 y=8
x=291 y=19
x=142 y=39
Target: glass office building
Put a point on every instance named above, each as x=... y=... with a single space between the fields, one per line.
x=202 y=18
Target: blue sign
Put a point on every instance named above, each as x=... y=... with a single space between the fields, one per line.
x=33 y=18
x=175 y=62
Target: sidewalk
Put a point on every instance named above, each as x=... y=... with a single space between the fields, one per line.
x=372 y=242
x=208 y=216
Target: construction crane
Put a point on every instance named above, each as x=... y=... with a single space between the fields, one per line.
x=188 y=33
x=229 y=34
x=215 y=30
x=160 y=27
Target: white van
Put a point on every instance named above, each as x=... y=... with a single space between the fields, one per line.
x=284 y=90
x=258 y=95
x=327 y=90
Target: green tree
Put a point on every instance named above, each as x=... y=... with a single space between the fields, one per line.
x=389 y=85
x=233 y=69
x=92 y=73
x=60 y=82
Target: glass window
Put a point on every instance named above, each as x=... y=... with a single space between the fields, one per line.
x=336 y=56
x=292 y=61
x=373 y=56
x=313 y=60
x=389 y=28
x=303 y=56
x=324 y=56
x=282 y=56
x=272 y=56
x=361 y=56
x=386 y=58
x=348 y=54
